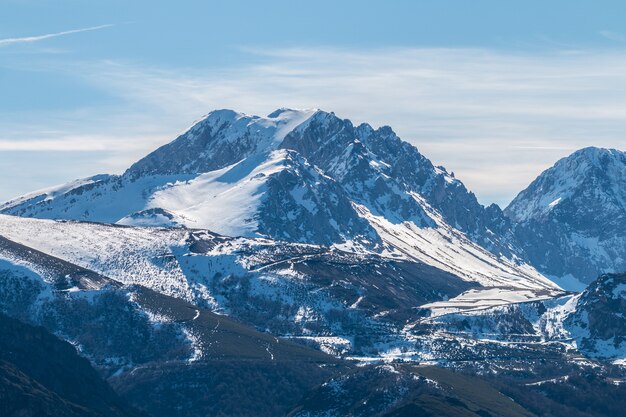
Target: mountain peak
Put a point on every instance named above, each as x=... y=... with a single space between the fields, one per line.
x=216 y=117
x=286 y=111
x=598 y=170
x=222 y=138
x=592 y=157
x=571 y=219
x=224 y=113
x=595 y=152
x=277 y=118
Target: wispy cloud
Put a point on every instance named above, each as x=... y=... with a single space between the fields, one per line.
x=496 y=119
x=62 y=145
x=90 y=142
x=613 y=36
x=30 y=39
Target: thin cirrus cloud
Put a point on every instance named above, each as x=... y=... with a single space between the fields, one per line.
x=613 y=36
x=37 y=38
x=69 y=143
x=59 y=145
x=495 y=118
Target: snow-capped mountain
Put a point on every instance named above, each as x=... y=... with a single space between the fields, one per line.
x=306 y=177
x=225 y=174
x=571 y=221
x=232 y=161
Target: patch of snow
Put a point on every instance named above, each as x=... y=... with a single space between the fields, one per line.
x=554 y=203
x=481 y=299
x=196 y=345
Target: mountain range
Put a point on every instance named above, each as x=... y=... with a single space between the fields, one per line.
x=311 y=177
x=303 y=244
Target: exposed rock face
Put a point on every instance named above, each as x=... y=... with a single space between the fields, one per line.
x=384 y=173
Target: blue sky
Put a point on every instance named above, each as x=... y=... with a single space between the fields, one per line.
x=496 y=91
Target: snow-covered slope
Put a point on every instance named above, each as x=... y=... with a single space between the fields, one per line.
x=277 y=194
x=571 y=221
x=294 y=290
x=312 y=293
x=151 y=256
x=122 y=328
